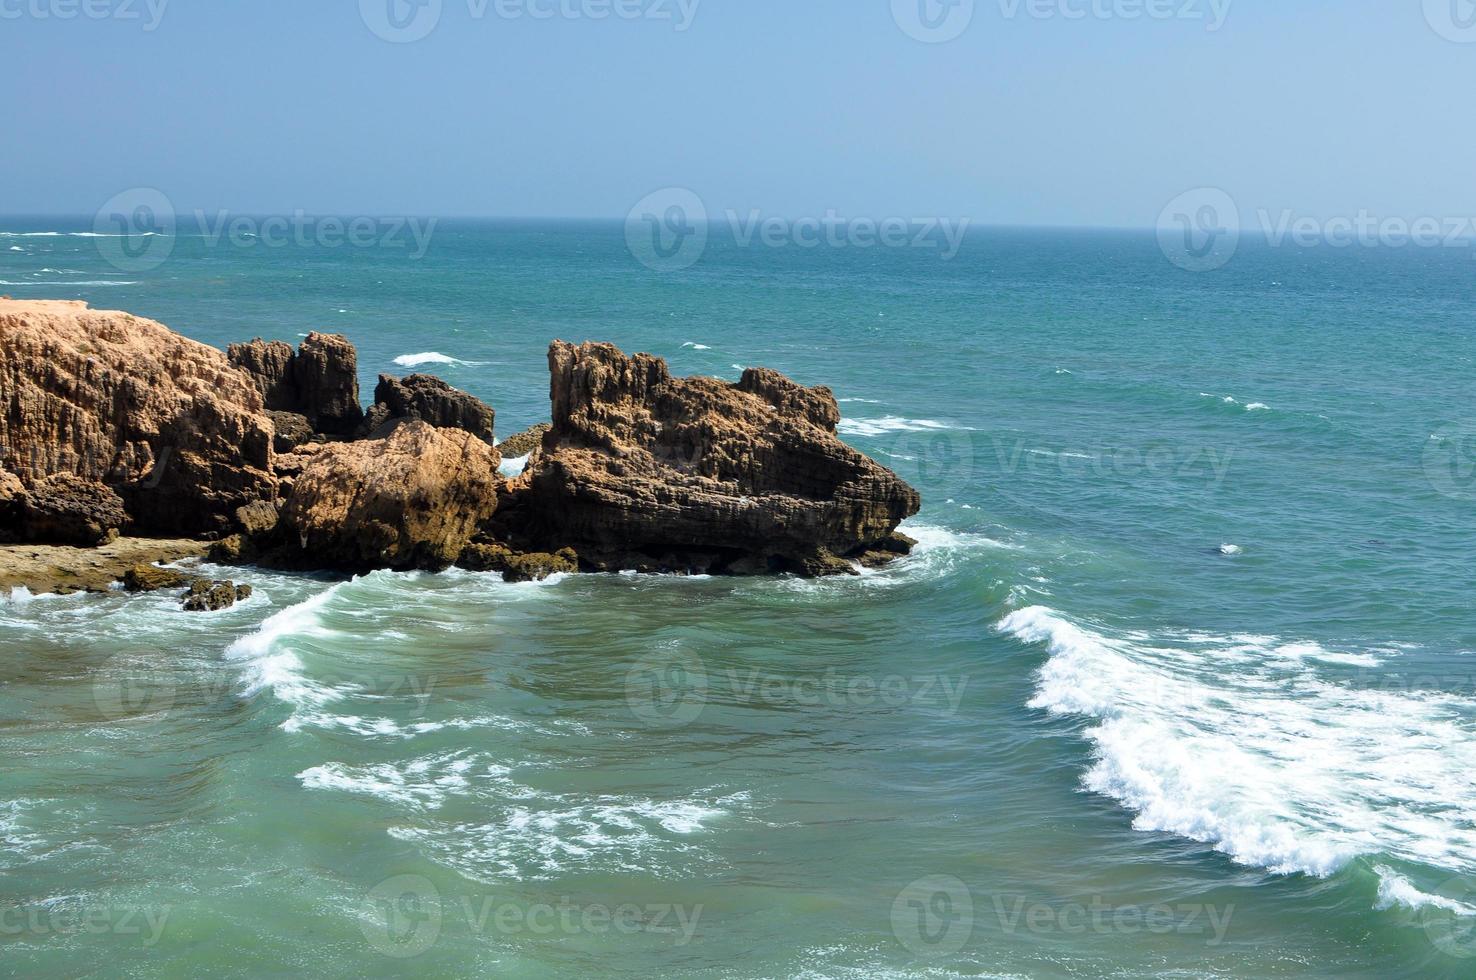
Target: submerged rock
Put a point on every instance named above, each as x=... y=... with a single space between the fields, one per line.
x=697 y=474
x=165 y=422
x=205 y=595
x=517 y=566
x=411 y=500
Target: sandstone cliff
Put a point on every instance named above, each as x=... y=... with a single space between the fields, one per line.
x=114 y=399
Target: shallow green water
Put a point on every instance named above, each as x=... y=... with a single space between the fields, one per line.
x=1074 y=735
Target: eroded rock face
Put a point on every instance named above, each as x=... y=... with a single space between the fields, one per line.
x=167 y=423
x=69 y=509
x=428 y=398
x=646 y=471
x=319 y=381
x=410 y=500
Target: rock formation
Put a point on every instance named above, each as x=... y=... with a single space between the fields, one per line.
x=320 y=381
x=428 y=398
x=167 y=423
x=642 y=470
x=205 y=595
x=411 y=500
x=524 y=443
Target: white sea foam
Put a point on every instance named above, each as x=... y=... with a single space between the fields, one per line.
x=421 y=783
x=1397 y=890
x=1231 y=549
x=1237 y=742
x=88 y=282
x=696 y=346
x=863 y=401
x=432 y=357
x=889 y=423
x=271 y=663
x=513 y=465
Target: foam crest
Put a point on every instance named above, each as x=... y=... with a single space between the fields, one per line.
x=1240 y=742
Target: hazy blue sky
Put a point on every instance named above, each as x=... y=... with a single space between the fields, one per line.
x=790 y=106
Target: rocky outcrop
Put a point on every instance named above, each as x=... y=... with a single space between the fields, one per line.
x=319 y=381
x=517 y=566
x=642 y=470
x=428 y=398
x=524 y=443
x=411 y=500
x=165 y=422
x=68 y=509
x=205 y=595
x=151 y=578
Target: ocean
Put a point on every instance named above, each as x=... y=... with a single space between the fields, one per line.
x=1180 y=681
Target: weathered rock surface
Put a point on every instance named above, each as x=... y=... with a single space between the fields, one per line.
x=643 y=470
x=151 y=578
x=411 y=500
x=166 y=422
x=428 y=398
x=41 y=568
x=524 y=443
x=205 y=595
x=517 y=566
x=319 y=381
x=68 y=509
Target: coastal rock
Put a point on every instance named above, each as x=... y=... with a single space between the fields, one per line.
x=411 y=500
x=167 y=423
x=696 y=474
x=151 y=578
x=517 y=566
x=319 y=381
x=291 y=430
x=524 y=443
x=428 y=398
x=205 y=595
x=68 y=509
x=42 y=568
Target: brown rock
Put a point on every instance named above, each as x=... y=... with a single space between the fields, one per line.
x=62 y=568
x=524 y=443
x=696 y=473
x=412 y=500
x=425 y=397
x=68 y=509
x=517 y=566
x=166 y=422
x=291 y=430
x=151 y=578
x=320 y=381
x=205 y=595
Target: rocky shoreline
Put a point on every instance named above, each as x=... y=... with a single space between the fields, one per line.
x=115 y=425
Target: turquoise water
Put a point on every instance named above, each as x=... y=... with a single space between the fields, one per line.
x=1179 y=682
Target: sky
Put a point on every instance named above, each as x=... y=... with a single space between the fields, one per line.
x=1032 y=112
